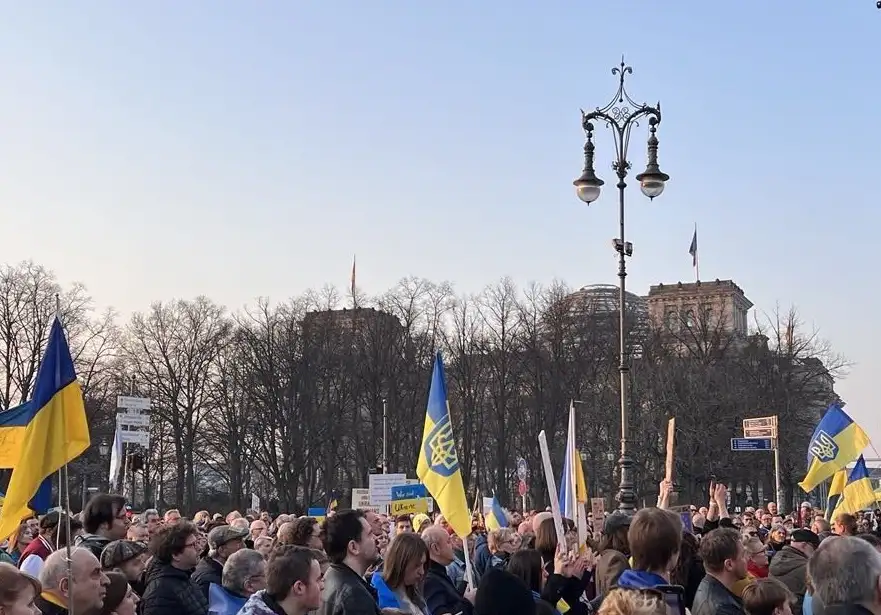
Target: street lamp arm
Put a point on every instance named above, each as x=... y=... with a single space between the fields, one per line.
x=621 y=114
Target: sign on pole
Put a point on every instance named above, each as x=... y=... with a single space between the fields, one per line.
x=131 y=419
x=522 y=488
x=762 y=427
x=139 y=437
x=751 y=444
x=522 y=469
x=132 y=403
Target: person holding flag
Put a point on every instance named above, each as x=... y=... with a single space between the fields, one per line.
x=438 y=463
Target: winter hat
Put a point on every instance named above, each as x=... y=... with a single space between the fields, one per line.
x=118 y=552
x=116 y=592
x=501 y=593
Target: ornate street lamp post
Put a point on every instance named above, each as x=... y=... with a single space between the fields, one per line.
x=621 y=115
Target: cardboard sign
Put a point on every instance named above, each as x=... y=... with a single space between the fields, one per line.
x=380 y=487
x=361 y=500
x=408 y=507
x=598 y=510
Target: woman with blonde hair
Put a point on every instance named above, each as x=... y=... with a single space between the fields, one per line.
x=633 y=602
x=399 y=585
x=17 y=591
x=502 y=543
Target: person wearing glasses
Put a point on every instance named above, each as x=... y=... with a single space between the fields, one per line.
x=175 y=551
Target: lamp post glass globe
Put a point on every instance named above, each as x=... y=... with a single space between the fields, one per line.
x=587 y=191
x=103 y=449
x=652 y=186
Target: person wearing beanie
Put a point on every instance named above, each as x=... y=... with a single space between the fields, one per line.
x=501 y=593
x=790 y=565
x=120 y=599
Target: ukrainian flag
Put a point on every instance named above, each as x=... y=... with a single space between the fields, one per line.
x=858 y=494
x=13 y=426
x=438 y=464
x=836 y=442
x=57 y=434
x=496 y=519
x=836 y=492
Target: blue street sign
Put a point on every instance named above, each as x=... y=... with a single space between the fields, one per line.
x=409 y=492
x=751 y=444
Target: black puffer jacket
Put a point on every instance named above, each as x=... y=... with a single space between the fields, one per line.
x=208 y=571
x=170 y=590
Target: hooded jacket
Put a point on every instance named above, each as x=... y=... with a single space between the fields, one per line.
x=790 y=567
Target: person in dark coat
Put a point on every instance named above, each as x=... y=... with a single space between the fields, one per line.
x=351 y=548
x=223 y=541
x=790 y=565
x=441 y=595
x=168 y=588
x=725 y=564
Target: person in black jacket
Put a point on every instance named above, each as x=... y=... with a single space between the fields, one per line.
x=441 y=595
x=104 y=520
x=223 y=541
x=169 y=589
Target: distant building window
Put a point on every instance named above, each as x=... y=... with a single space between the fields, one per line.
x=670 y=318
x=689 y=318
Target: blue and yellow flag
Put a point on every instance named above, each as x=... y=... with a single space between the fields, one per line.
x=858 y=494
x=836 y=492
x=438 y=465
x=496 y=518
x=57 y=434
x=13 y=425
x=836 y=442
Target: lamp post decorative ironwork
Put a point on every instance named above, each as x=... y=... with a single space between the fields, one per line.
x=622 y=115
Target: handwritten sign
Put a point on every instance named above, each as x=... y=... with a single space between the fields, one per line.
x=409 y=492
x=409 y=507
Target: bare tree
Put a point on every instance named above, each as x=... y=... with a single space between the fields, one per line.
x=174 y=349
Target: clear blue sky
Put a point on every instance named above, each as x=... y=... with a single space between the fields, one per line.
x=165 y=149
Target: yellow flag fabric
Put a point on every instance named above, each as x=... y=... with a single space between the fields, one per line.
x=836 y=492
x=580 y=484
x=438 y=464
x=858 y=494
x=836 y=442
x=57 y=434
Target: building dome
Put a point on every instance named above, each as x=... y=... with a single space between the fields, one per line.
x=602 y=299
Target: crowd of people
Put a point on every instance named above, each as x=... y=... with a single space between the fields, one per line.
x=705 y=561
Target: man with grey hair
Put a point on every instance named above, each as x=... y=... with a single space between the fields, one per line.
x=845 y=573
x=150 y=518
x=244 y=573
x=84 y=595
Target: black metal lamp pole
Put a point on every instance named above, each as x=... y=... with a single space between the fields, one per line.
x=622 y=114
